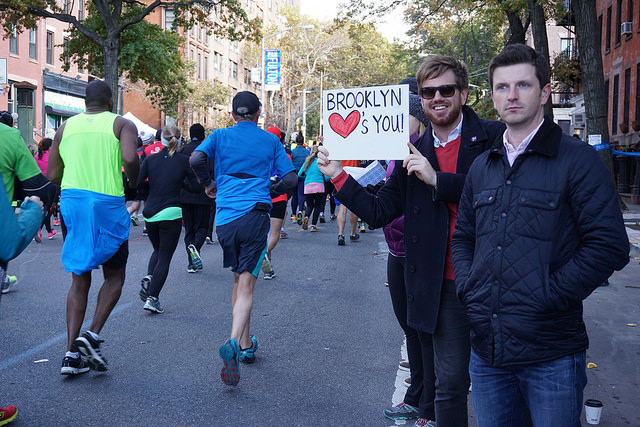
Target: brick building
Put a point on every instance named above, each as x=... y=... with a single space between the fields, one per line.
x=619 y=25
x=37 y=88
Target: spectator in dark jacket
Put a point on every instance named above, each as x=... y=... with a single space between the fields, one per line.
x=539 y=228
x=196 y=207
x=426 y=189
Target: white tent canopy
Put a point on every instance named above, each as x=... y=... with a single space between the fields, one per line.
x=139 y=124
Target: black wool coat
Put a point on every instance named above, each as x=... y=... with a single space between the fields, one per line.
x=426 y=221
x=532 y=241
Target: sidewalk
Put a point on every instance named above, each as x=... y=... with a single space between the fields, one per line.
x=632 y=221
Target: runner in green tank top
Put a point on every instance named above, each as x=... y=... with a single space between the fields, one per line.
x=87 y=156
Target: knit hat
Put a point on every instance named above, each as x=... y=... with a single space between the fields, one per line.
x=245 y=103
x=416 y=110
x=196 y=132
x=413 y=84
x=146 y=137
x=274 y=130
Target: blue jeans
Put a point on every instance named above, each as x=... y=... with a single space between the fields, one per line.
x=552 y=391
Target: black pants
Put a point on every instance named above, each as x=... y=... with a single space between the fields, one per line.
x=420 y=394
x=328 y=191
x=196 y=225
x=314 y=202
x=448 y=350
x=164 y=236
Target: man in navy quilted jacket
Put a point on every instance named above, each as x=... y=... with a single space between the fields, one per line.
x=539 y=228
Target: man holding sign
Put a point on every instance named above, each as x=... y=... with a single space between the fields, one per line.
x=426 y=188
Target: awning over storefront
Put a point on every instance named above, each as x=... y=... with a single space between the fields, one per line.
x=62 y=105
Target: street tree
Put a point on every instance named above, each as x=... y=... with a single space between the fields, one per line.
x=224 y=18
x=342 y=53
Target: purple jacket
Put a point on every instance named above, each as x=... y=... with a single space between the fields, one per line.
x=394 y=231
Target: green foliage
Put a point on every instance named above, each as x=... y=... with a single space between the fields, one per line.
x=566 y=72
x=203 y=95
x=115 y=41
x=147 y=54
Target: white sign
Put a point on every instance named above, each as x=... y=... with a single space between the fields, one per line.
x=595 y=139
x=255 y=75
x=3 y=71
x=369 y=123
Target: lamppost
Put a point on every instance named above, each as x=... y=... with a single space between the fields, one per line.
x=263 y=72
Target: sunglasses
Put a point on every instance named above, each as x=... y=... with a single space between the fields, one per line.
x=446 y=91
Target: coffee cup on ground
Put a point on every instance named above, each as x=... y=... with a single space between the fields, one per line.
x=593 y=410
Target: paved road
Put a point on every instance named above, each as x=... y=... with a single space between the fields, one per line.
x=329 y=343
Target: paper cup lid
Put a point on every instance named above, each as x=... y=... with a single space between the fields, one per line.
x=593 y=403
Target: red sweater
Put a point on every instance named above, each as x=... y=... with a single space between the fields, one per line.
x=447 y=159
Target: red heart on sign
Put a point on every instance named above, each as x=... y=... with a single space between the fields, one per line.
x=344 y=127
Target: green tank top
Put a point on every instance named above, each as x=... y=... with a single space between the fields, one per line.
x=91 y=154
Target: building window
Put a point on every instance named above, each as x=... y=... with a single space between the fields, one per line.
x=199 y=66
x=600 y=31
x=65 y=58
x=206 y=68
x=619 y=23
x=169 y=18
x=233 y=70
x=614 y=107
x=608 y=37
x=630 y=11
x=33 y=44
x=566 y=47
x=50 y=43
x=67 y=6
x=13 y=42
x=81 y=10
x=627 y=95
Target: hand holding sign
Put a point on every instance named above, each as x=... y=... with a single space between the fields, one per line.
x=330 y=168
x=419 y=164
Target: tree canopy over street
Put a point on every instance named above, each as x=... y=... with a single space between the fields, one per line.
x=122 y=44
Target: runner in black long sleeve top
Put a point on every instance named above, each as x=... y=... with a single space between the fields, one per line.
x=166 y=172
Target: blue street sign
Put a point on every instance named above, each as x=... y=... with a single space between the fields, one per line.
x=272 y=69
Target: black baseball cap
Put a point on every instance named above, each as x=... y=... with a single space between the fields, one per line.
x=245 y=103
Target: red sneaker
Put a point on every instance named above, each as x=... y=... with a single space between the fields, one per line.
x=56 y=221
x=8 y=414
x=53 y=233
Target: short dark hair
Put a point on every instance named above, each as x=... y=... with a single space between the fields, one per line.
x=299 y=138
x=6 y=118
x=436 y=65
x=518 y=53
x=97 y=93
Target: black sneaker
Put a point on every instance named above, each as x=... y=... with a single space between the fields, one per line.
x=354 y=237
x=322 y=220
x=90 y=348
x=73 y=366
x=340 y=239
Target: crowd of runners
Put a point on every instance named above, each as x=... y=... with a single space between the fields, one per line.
x=497 y=230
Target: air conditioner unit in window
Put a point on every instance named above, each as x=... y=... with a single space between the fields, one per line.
x=578 y=119
x=626 y=28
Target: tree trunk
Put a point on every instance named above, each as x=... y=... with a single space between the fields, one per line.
x=541 y=42
x=111 y=50
x=595 y=95
x=518 y=30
